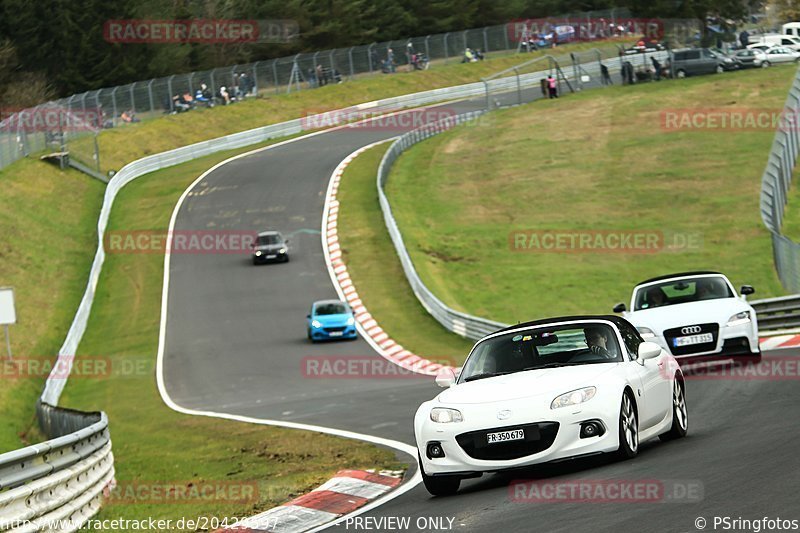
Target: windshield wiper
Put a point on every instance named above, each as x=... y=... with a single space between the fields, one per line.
x=484 y=375
x=551 y=365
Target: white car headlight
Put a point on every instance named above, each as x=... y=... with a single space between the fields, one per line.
x=351 y=321
x=282 y=251
x=443 y=415
x=574 y=397
x=316 y=324
x=739 y=318
x=258 y=253
x=646 y=333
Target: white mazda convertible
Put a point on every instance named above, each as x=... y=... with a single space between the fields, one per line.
x=545 y=391
x=695 y=315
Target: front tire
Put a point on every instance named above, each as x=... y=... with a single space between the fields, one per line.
x=439 y=485
x=720 y=69
x=765 y=64
x=680 y=413
x=628 y=428
x=681 y=74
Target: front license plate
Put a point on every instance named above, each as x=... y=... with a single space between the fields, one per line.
x=335 y=333
x=693 y=339
x=271 y=256
x=503 y=436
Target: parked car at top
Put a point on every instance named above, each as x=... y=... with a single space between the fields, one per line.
x=781 y=54
x=762 y=47
x=270 y=246
x=330 y=319
x=729 y=61
x=776 y=39
x=696 y=61
x=695 y=314
x=752 y=58
x=549 y=390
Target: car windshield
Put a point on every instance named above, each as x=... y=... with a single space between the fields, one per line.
x=265 y=240
x=681 y=291
x=331 y=308
x=542 y=347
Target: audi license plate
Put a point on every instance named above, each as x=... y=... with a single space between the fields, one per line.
x=693 y=339
x=503 y=436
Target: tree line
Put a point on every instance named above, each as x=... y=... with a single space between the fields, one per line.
x=57 y=47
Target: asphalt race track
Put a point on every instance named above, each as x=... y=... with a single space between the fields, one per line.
x=235 y=343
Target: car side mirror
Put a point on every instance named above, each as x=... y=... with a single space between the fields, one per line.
x=648 y=350
x=747 y=289
x=308 y=316
x=446 y=378
x=286 y=241
x=620 y=308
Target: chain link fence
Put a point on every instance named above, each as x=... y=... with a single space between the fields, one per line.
x=50 y=127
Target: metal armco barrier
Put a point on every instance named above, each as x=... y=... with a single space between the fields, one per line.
x=57 y=485
x=775 y=184
x=778 y=313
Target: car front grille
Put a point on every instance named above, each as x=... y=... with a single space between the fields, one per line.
x=671 y=334
x=538 y=437
x=334 y=328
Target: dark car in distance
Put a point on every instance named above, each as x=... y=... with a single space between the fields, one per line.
x=270 y=247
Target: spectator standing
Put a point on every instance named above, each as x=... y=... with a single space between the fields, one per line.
x=552 y=87
x=744 y=38
x=390 y=60
x=656 y=67
x=606 y=77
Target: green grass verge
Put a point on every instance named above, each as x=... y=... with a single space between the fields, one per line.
x=126 y=143
x=48 y=219
x=153 y=444
x=592 y=161
x=375 y=269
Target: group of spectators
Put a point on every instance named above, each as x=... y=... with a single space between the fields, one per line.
x=470 y=55
x=242 y=87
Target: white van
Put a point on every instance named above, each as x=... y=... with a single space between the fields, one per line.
x=791 y=28
x=776 y=39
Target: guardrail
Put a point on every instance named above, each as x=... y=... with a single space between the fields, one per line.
x=57 y=485
x=778 y=313
x=775 y=184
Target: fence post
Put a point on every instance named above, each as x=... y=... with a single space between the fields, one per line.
x=114 y=105
x=485 y=41
x=255 y=77
x=150 y=94
x=133 y=98
x=446 y=51
x=275 y=74
x=189 y=81
x=369 y=56
x=486 y=87
x=170 y=95
x=427 y=48
x=350 y=60
x=213 y=84
x=519 y=86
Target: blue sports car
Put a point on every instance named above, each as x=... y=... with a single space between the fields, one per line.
x=331 y=319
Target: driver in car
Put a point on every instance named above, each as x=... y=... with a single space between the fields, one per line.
x=598 y=342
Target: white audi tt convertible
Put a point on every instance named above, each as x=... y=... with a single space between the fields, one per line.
x=549 y=390
x=695 y=315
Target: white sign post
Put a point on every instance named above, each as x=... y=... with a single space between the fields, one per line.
x=8 y=314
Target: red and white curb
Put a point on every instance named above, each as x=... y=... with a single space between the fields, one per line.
x=366 y=324
x=778 y=342
x=340 y=495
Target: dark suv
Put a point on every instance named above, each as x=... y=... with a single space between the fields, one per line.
x=695 y=61
x=270 y=246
